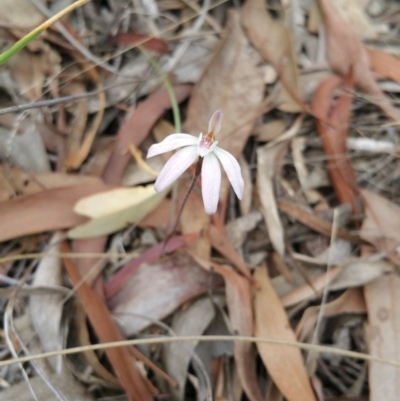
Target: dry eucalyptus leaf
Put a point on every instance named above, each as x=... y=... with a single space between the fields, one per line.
x=177 y=355
x=352 y=12
x=306 y=291
x=231 y=83
x=31 y=69
x=194 y=219
x=50 y=209
x=157 y=289
x=247 y=200
x=25 y=147
x=21 y=13
x=284 y=364
x=383 y=337
x=238 y=298
x=350 y=302
x=266 y=160
x=381 y=224
x=274 y=42
x=345 y=52
x=79 y=111
x=16 y=181
x=270 y=130
x=65 y=383
x=115 y=209
x=46 y=309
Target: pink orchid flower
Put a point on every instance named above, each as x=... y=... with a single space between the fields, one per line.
x=210 y=172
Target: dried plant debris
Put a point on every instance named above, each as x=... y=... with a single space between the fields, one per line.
x=306 y=250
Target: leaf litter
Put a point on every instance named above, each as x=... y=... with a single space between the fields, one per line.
x=309 y=94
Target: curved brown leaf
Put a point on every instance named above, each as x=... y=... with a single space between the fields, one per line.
x=273 y=40
x=48 y=210
x=284 y=364
x=238 y=297
x=332 y=125
x=346 y=52
x=107 y=331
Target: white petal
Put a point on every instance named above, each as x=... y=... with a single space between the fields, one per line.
x=175 y=167
x=210 y=183
x=171 y=142
x=214 y=125
x=232 y=169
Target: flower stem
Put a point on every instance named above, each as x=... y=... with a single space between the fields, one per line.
x=190 y=190
x=167 y=85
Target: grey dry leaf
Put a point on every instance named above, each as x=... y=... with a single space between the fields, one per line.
x=66 y=384
x=383 y=336
x=158 y=289
x=46 y=309
x=177 y=356
x=246 y=201
x=360 y=272
x=381 y=225
x=209 y=352
x=274 y=42
x=266 y=171
x=306 y=291
x=238 y=298
x=350 y=302
x=24 y=144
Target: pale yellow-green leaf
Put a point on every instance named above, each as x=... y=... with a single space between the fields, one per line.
x=113 y=210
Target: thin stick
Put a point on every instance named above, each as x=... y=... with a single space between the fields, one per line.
x=162 y=340
x=312 y=357
x=178 y=217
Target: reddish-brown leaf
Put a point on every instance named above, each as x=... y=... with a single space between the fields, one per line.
x=332 y=127
x=47 y=210
x=134 y=38
x=152 y=254
x=107 y=331
x=315 y=222
x=384 y=64
x=221 y=243
x=346 y=53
